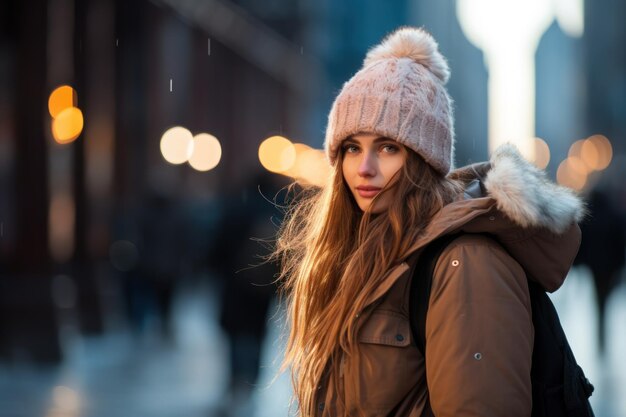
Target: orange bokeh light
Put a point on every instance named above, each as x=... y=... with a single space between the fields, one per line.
x=295 y=171
x=604 y=150
x=315 y=169
x=60 y=99
x=277 y=154
x=575 y=148
x=595 y=152
x=67 y=125
x=590 y=155
x=572 y=173
x=310 y=166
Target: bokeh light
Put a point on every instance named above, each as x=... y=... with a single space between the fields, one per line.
x=207 y=152
x=575 y=148
x=603 y=149
x=60 y=99
x=572 y=173
x=67 y=125
x=295 y=171
x=578 y=166
x=595 y=152
x=277 y=154
x=575 y=158
x=310 y=166
x=177 y=145
x=542 y=153
x=589 y=155
x=314 y=168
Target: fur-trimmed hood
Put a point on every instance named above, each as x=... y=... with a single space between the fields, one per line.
x=526 y=196
x=510 y=199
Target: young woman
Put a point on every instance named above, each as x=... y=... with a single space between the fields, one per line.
x=345 y=254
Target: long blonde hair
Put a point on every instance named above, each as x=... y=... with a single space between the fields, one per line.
x=333 y=257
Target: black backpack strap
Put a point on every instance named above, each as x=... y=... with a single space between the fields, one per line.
x=421 y=282
x=554 y=368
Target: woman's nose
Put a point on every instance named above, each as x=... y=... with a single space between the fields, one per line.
x=367 y=167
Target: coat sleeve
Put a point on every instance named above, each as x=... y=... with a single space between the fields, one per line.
x=479 y=333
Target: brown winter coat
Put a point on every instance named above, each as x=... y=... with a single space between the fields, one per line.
x=479 y=331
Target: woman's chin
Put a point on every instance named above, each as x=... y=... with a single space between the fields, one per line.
x=377 y=209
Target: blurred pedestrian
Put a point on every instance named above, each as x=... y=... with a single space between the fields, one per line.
x=347 y=250
x=247 y=280
x=603 y=251
x=161 y=255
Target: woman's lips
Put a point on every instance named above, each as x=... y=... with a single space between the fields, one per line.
x=366 y=191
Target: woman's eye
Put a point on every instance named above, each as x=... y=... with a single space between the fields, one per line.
x=390 y=148
x=350 y=149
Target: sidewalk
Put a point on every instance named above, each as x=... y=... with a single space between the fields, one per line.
x=118 y=375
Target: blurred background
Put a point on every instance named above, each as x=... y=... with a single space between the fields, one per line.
x=142 y=144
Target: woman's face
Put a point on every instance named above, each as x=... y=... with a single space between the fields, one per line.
x=369 y=163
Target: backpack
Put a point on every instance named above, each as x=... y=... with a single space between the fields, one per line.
x=559 y=385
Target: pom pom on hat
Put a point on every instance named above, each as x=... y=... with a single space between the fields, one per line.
x=415 y=44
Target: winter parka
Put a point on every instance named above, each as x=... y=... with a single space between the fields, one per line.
x=479 y=335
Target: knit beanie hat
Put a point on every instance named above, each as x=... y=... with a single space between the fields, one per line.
x=399 y=94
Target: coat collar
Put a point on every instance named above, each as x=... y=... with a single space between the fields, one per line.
x=513 y=201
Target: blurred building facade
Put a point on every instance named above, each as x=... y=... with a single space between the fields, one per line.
x=73 y=215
